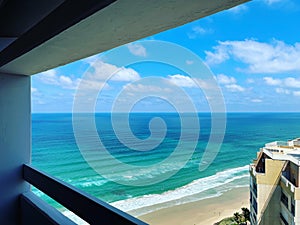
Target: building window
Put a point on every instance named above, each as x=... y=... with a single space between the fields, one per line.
x=293 y=208
x=254 y=205
x=253 y=218
x=284 y=200
x=255 y=189
x=283 y=219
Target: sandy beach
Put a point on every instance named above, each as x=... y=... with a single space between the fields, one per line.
x=203 y=212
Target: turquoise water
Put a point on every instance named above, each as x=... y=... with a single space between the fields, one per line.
x=55 y=152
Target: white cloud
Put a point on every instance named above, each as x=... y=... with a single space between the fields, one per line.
x=289 y=82
x=296 y=93
x=39 y=102
x=153 y=92
x=35 y=93
x=256 y=100
x=66 y=81
x=285 y=86
x=137 y=49
x=208 y=84
x=142 y=88
x=182 y=81
x=230 y=83
x=260 y=57
x=185 y=81
x=48 y=77
x=198 y=31
x=223 y=79
x=292 y=82
x=282 y=91
x=126 y=74
x=272 y=82
x=234 y=88
x=238 y=9
x=90 y=85
x=102 y=71
x=219 y=55
x=51 y=77
x=271 y=2
x=95 y=78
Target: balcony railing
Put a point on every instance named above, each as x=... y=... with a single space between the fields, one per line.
x=89 y=208
x=284 y=200
x=288 y=183
x=253 y=218
x=252 y=169
x=283 y=219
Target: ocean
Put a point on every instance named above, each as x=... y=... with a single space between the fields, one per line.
x=54 y=150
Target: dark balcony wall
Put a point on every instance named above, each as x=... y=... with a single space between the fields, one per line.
x=261 y=164
x=291 y=172
x=294 y=174
x=15 y=136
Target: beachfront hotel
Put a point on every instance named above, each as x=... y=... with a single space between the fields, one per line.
x=274 y=184
x=37 y=36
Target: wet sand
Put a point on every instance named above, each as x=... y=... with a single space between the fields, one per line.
x=203 y=212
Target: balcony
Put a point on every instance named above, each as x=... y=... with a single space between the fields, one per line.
x=283 y=219
x=259 y=164
x=252 y=169
x=284 y=200
x=34 y=41
x=253 y=218
x=255 y=169
x=288 y=183
x=88 y=208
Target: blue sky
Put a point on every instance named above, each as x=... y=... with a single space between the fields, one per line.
x=253 y=51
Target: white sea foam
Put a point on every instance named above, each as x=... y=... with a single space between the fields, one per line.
x=88 y=182
x=144 y=173
x=185 y=193
x=188 y=193
x=82 y=182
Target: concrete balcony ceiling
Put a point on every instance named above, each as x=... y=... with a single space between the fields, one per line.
x=39 y=35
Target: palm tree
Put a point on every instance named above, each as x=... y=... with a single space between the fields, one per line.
x=237 y=218
x=246 y=214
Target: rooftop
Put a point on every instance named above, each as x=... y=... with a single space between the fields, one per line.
x=284 y=150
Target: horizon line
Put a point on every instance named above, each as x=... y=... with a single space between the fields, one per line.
x=167 y=112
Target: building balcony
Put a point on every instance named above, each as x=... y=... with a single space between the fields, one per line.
x=252 y=169
x=283 y=219
x=256 y=170
x=287 y=211
x=288 y=183
x=92 y=210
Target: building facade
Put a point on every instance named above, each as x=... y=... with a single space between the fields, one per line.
x=274 y=184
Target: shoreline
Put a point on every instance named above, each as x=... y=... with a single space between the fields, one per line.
x=203 y=212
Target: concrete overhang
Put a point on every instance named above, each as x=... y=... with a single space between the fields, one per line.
x=114 y=24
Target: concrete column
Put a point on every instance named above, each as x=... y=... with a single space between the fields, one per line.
x=15 y=143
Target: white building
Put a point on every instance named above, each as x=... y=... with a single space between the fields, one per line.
x=274 y=184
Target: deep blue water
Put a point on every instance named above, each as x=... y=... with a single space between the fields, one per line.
x=56 y=152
